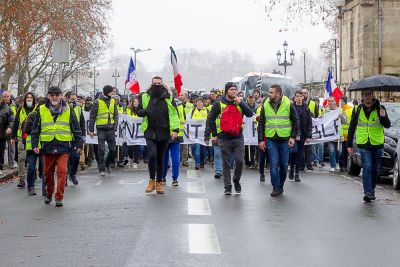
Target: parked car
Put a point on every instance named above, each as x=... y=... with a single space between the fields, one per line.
x=390 y=148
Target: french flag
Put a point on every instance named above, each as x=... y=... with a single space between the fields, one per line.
x=331 y=89
x=177 y=76
x=131 y=80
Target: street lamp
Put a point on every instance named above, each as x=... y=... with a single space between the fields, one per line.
x=285 y=63
x=93 y=75
x=116 y=76
x=304 y=51
x=138 y=50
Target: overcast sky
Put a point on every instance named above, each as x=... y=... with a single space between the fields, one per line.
x=205 y=25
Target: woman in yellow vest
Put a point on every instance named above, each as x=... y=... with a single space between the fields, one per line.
x=198 y=151
x=17 y=134
x=367 y=123
x=135 y=152
x=160 y=124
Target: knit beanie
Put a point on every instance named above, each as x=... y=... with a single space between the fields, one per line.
x=229 y=85
x=107 y=89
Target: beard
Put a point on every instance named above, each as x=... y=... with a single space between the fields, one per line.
x=54 y=103
x=29 y=104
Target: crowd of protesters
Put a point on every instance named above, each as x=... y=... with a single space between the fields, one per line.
x=46 y=136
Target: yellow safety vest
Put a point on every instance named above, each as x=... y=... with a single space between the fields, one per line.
x=78 y=112
x=13 y=109
x=61 y=129
x=311 y=106
x=344 y=127
x=369 y=129
x=199 y=114
x=105 y=113
x=130 y=113
x=188 y=107
x=278 y=122
x=172 y=113
x=22 y=117
x=182 y=119
x=120 y=109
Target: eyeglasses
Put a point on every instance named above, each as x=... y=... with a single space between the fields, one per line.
x=54 y=94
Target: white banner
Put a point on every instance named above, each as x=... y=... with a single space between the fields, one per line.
x=326 y=128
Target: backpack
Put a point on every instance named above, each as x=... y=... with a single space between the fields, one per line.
x=231 y=120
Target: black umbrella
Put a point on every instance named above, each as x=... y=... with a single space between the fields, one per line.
x=376 y=83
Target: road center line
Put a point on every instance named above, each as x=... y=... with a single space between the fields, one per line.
x=195 y=187
x=199 y=206
x=203 y=239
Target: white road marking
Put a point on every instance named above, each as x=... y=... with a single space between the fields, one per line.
x=98 y=183
x=130 y=182
x=193 y=174
x=195 y=187
x=203 y=239
x=199 y=206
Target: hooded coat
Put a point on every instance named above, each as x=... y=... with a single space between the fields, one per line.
x=17 y=119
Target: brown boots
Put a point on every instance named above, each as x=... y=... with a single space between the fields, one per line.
x=158 y=186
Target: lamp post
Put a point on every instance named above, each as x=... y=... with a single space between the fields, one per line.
x=93 y=75
x=116 y=76
x=304 y=51
x=138 y=50
x=285 y=63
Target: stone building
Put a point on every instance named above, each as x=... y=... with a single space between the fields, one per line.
x=359 y=40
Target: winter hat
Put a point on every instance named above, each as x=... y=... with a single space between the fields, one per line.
x=55 y=90
x=107 y=89
x=229 y=85
x=344 y=98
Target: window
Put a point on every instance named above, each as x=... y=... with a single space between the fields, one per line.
x=351 y=39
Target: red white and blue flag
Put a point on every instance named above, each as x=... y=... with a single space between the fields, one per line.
x=131 y=81
x=177 y=76
x=331 y=89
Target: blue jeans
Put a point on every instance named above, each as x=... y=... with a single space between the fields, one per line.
x=371 y=165
x=73 y=162
x=173 y=151
x=31 y=159
x=318 y=152
x=198 y=153
x=217 y=160
x=278 y=153
x=334 y=154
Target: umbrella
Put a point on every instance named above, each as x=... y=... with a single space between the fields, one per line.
x=376 y=83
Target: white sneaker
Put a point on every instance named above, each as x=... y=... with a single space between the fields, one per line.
x=135 y=165
x=337 y=168
x=332 y=170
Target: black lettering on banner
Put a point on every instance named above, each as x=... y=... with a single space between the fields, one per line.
x=120 y=130
x=335 y=123
x=316 y=132
x=128 y=129
x=186 y=130
x=138 y=134
x=196 y=131
x=254 y=128
x=325 y=134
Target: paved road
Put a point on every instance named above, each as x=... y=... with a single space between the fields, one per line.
x=110 y=221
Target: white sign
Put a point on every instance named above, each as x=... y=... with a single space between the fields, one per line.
x=194 y=132
x=326 y=128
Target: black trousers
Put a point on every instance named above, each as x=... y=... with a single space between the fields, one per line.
x=104 y=136
x=343 y=156
x=156 y=152
x=2 y=150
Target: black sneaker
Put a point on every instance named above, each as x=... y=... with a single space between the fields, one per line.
x=238 y=188
x=126 y=161
x=297 y=177
x=175 y=183
x=108 y=169
x=59 y=203
x=21 y=184
x=372 y=197
x=291 y=174
x=164 y=181
x=217 y=176
x=276 y=192
x=31 y=191
x=48 y=199
x=367 y=198
x=322 y=164
x=262 y=177
x=228 y=190
x=197 y=168
x=309 y=168
x=74 y=180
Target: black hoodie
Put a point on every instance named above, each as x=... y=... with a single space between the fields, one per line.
x=16 y=124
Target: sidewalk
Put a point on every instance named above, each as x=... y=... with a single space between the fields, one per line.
x=8 y=174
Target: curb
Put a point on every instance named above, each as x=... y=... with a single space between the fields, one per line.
x=8 y=176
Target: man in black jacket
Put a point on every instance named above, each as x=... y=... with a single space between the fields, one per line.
x=106 y=127
x=303 y=136
x=367 y=124
x=279 y=125
x=231 y=145
x=6 y=122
